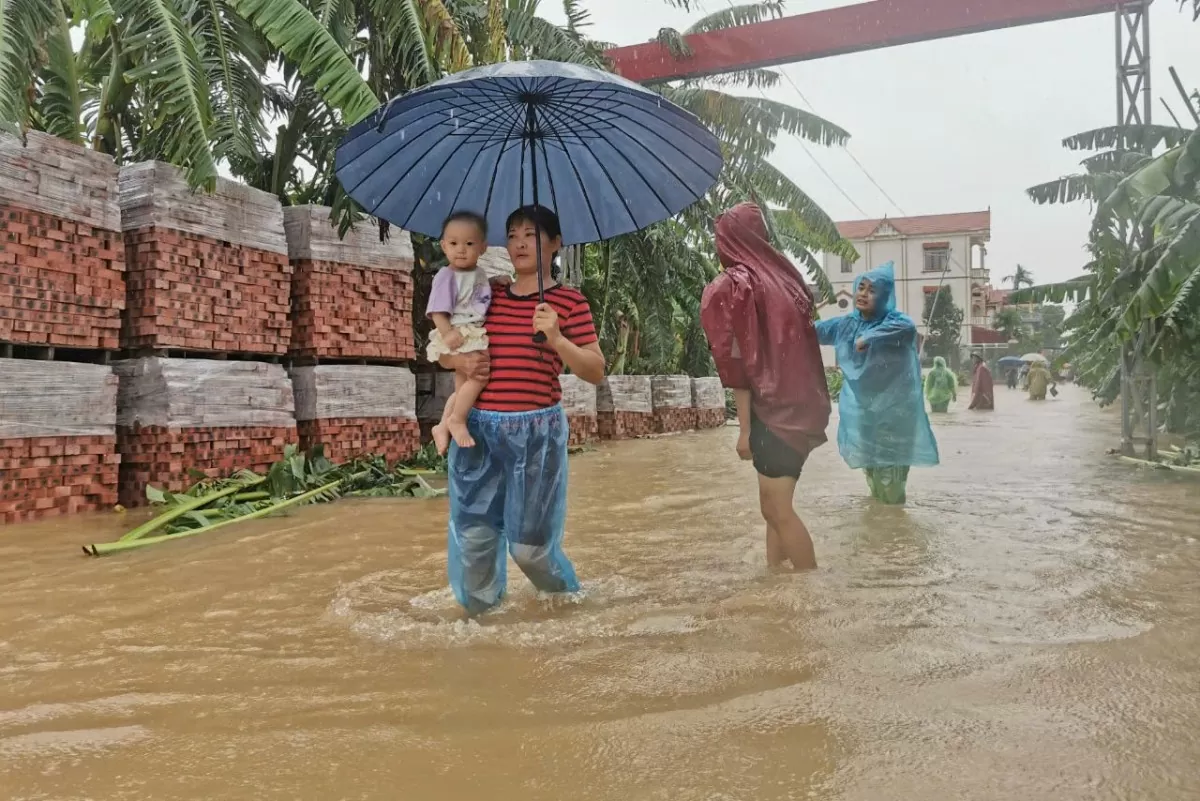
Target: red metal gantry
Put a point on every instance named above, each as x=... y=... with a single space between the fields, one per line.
x=837 y=31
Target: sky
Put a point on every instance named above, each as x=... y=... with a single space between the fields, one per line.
x=954 y=125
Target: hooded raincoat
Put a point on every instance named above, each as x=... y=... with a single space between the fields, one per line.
x=883 y=426
x=941 y=386
x=758 y=316
x=1039 y=382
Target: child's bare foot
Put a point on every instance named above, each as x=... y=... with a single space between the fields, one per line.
x=458 y=430
x=441 y=438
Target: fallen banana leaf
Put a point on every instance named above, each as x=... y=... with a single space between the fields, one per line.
x=182 y=509
x=106 y=548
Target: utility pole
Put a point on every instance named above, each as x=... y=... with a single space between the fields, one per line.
x=1133 y=109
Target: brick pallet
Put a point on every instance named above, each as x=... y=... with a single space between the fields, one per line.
x=354 y=410
x=352 y=297
x=708 y=400
x=182 y=415
x=61 y=260
x=709 y=418
x=623 y=407
x=169 y=458
x=206 y=272
x=671 y=399
x=58 y=451
x=625 y=425
x=584 y=430
x=579 y=403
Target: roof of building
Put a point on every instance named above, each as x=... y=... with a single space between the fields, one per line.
x=986 y=336
x=928 y=225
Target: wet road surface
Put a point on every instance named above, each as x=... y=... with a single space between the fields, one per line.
x=1027 y=628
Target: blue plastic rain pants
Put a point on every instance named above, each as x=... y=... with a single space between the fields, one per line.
x=510 y=489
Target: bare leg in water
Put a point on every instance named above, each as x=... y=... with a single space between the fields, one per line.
x=788 y=539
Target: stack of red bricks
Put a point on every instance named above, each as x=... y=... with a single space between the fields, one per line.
x=671 y=396
x=357 y=410
x=206 y=272
x=623 y=407
x=579 y=402
x=182 y=416
x=57 y=445
x=708 y=399
x=352 y=298
x=61 y=258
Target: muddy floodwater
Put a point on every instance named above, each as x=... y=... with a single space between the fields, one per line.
x=1028 y=628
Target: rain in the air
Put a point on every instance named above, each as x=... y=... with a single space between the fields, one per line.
x=703 y=400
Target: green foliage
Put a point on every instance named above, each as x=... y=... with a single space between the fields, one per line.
x=834 y=381
x=297 y=479
x=1138 y=295
x=943 y=320
x=1009 y=322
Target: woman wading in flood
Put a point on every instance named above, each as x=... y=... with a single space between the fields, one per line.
x=883 y=428
x=508 y=494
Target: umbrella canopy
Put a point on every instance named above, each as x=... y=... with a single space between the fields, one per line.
x=1035 y=357
x=607 y=155
x=1010 y=361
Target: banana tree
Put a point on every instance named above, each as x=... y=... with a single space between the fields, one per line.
x=164 y=79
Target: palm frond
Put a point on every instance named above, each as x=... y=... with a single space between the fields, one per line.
x=542 y=39
x=168 y=66
x=60 y=111
x=23 y=24
x=750 y=79
x=1076 y=290
x=293 y=29
x=1134 y=137
x=1067 y=189
x=675 y=43
x=736 y=16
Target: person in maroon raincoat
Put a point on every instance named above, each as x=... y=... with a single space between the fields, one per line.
x=758 y=315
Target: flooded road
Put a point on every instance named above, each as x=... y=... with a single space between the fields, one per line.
x=1028 y=628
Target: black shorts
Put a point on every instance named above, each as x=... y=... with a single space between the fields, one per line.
x=773 y=457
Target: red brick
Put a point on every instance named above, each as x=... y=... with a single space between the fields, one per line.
x=709 y=418
x=60 y=281
x=584 y=430
x=625 y=425
x=345 y=311
x=60 y=485
x=191 y=292
x=150 y=455
x=674 y=421
x=346 y=438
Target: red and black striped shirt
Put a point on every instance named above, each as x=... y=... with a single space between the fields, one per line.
x=524 y=374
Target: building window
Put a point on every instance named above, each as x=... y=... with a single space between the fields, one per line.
x=937 y=258
x=847 y=266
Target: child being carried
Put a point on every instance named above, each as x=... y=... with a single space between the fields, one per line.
x=458 y=304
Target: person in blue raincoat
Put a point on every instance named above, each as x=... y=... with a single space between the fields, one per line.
x=882 y=425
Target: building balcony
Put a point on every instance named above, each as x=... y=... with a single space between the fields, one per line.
x=980 y=274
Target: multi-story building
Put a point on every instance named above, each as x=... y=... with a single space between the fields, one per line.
x=937 y=251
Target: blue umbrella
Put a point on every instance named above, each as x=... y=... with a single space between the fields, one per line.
x=607 y=155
